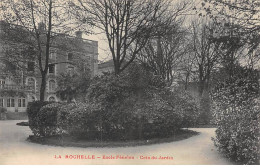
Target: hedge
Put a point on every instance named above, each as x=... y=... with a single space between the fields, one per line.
x=237 y=113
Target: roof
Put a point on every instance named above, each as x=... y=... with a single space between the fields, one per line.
x=60 y=40
x=107 y=64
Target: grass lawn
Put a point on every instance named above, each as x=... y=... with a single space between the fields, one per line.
x=69 y=141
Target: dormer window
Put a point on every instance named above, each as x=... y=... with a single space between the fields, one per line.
x=70 y=56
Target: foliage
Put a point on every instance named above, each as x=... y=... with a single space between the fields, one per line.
x=132 y=105
x=74 y=119
x=3 y=113
x=3 y=110
x=237 y=113
x=72 y=85
x=185 y=104
x=205 y=116
x=129 y=120
x=47 y=119
x=236 y=32
x=248 y=10
x=12 y=93
x=33 y=109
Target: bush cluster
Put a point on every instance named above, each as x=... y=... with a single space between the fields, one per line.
x=47 y=119
x=237 y=113
x=132 y=105
x=185 y=105
x=3 y=112
x=33 y=109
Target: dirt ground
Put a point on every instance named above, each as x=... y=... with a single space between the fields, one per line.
x=197 y=150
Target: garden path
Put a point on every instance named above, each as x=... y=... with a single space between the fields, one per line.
x=197 y=150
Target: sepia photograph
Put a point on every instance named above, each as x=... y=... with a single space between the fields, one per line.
x=129 y=82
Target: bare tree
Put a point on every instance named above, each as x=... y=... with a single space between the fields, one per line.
x=38 y=20
x=128 y=24
x=163 y=55
x=245 y=14
x=187 y=68
x=205 y=52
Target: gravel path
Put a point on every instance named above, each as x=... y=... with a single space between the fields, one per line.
x=197 y=150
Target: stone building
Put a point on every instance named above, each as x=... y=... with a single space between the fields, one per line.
x=18 y=86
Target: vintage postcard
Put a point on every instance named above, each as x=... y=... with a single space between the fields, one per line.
x=129 y=82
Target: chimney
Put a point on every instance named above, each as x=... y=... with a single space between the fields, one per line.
x=79 y=34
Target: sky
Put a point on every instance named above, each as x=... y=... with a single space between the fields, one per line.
x=103 y=49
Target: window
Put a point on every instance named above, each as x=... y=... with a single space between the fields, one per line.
x=31 y=83
x=52 y=68
x=2 y=83
x=10 y=102
x=70 y=69
x=52 y=85
x=21 y=102
x=30 y=66
x=52 y=99
x=52 y=55
x=1 y=102
x=70 y=56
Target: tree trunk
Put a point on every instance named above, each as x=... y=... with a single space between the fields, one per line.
x=43 y=87
x=116 y=67
x=186 y=81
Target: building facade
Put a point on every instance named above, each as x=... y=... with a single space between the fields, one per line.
x=18 y=86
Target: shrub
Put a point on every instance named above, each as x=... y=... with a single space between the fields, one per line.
x=74 y=119
x=63 y=116
x=47 y=119
x=33 y=109
x=184 y=104
x=3 y=110
x=158 y=118
x=237 y=112
x=205 y=116
x=132 y=106
x=73 y=86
